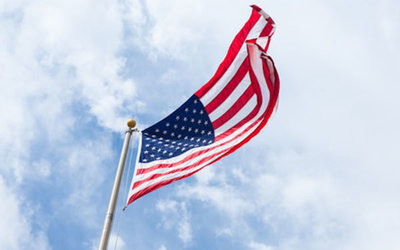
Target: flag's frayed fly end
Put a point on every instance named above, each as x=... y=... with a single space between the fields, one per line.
x=259 y=10
x=223 y=115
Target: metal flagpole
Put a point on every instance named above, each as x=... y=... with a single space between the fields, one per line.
x=105 y=235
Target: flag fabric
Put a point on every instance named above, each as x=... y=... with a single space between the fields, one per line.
x=219 y=118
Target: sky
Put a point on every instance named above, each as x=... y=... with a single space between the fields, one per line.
x=323 y=174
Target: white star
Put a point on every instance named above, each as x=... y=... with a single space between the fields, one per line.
x=167 y=140
x=153 y=148
x=194 y=111
x=192 y=138
x=192 y=120
x=158 y=158
x=201 y=112
x=152 y=156
x=183 y=128
x=206 y=122
x=158 y=150
x=170 y=154
x=209 y=142
x=154 y=136
x=178 y=147
x=164 y=132
x=202 y=132
x=196 y=130
x=165 y=151
x=146 y=152
x=184 y=119
x=147 y=145
x=185 y=138
x=198 y=140
x=172 y=134
x=157 y=130
x=179 y=136
x=204 y=141
x=209 y=133
x=175 y=126
x=180 y=143
x=199 y=121
x=153 y=140
x=177 y=117
x=186 y=109
x=173 y=142
x=195 y=101
x=172 y=146
x=189 y=129
x=183 y=149
x=167 y=124
x=144 y=160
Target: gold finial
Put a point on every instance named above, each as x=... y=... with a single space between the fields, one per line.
x=131 y=123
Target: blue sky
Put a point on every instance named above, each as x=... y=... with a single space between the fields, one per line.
x=323 y=174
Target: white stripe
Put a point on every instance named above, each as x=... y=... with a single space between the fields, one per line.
x=232 y=98
x=240 y=115
x=223 y=81
x=233 y=68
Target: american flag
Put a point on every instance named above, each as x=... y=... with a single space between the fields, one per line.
x=223 y=115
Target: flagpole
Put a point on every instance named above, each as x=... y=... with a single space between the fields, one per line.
x=105 y=235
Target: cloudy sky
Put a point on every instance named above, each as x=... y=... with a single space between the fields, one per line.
x=323 y=174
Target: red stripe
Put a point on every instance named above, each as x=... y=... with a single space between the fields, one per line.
x=256 y=87
x=256 y=8
x=157 y=185
x=229 y=88
x=234 y=109
x=232 y=53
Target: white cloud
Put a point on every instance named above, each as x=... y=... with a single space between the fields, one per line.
x=62 y=93
x=162 y=247
x=258 y=246
x=175 y=216
x=15 y=225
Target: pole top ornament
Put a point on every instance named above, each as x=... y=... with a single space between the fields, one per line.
x=131 y=123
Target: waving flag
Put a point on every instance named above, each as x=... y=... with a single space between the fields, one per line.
x=219 y=118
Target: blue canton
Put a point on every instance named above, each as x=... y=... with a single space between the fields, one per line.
x=186 y=128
